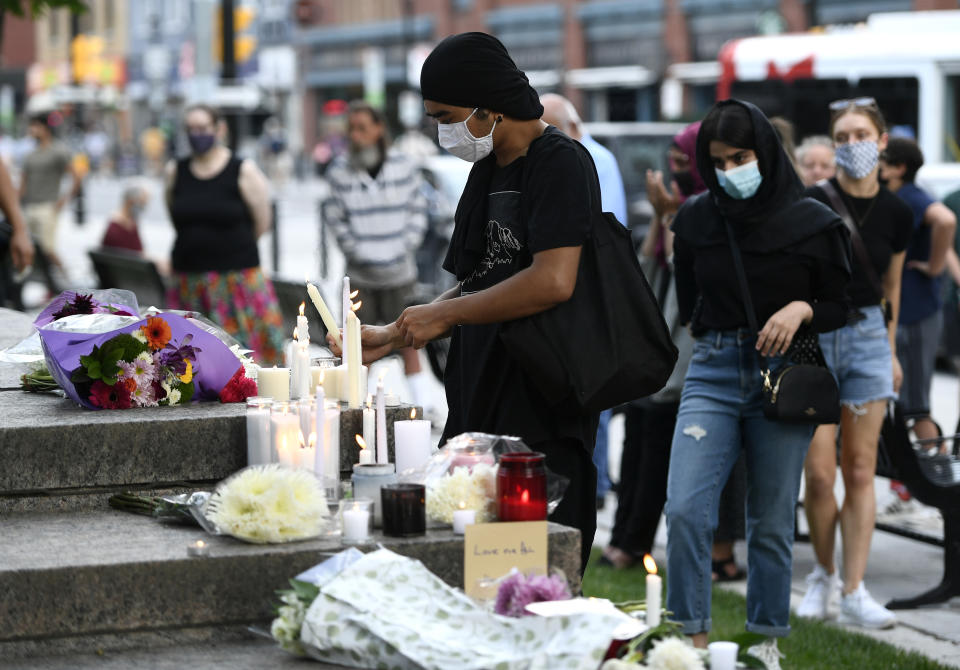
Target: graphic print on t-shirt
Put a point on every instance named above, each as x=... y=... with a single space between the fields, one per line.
x=505 y=239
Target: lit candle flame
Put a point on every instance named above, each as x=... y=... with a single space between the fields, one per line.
x=413 y=414
x=302 y=442
x=199 y=544
x=295 y=335
x=649 y=564
x=302 y=306
x=463 y=505
x=361 y=442
x=525 y=496
x=323 y=374
x=355 y=294
x=356 y=305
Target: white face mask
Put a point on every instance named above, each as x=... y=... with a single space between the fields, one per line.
x=458 y=140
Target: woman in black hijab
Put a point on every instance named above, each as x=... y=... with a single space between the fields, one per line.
x=796 y=257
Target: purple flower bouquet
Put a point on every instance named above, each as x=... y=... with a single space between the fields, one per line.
x=106 y=356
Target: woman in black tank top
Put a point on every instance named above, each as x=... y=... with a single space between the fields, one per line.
x=219 y=205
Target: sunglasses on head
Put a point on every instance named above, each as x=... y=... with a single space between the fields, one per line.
x=838 y=105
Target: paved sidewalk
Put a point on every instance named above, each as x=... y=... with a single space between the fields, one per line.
x=898 y=567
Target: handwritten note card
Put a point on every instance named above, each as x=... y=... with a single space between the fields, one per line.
x=490 y=550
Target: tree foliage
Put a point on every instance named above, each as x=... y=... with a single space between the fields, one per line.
x=37 y=8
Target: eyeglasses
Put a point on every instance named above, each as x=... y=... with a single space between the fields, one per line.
x=838 y=105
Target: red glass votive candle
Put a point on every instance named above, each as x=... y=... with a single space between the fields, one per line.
x=522 y=487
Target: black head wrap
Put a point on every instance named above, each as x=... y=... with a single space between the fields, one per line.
x=777 y=216
x=475 y=70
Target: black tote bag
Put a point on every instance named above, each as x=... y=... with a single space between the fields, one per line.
x=608 y=344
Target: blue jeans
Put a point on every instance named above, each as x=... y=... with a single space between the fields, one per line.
x=720 y=410
x=600 y=451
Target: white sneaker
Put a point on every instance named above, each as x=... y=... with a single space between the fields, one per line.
x=901 y=508
x=860 y=609
x=821 y=589
x=767 y=652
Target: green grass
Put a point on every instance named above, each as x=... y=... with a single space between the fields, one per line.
x=811 y=644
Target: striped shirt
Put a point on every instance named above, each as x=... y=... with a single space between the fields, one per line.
x=379 y=222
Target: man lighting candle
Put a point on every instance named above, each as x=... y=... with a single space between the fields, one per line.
x=524 y=215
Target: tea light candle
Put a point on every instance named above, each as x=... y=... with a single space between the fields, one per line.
x=258 y=430
x=198 y=548
x=355 y=520
x=411 y=441
x=274 y=383
x=654 y=590
x=390 y=399
x=327 y=464
x=463 y=518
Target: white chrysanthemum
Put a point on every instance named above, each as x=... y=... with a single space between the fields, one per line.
x=173 y=396
x=139 y=336
x=270 y=503
x=145 y=357
x=476 y=490
x=674 y=653
x=617 y=664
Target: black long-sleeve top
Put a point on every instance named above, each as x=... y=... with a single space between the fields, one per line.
x=707 y=280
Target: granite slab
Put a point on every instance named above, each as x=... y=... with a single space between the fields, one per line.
x=110 y=572
x=14 y=327
x=54 y=444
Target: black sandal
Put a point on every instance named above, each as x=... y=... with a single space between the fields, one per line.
x=722 y=575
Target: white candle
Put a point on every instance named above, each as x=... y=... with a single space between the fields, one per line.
x=463 y=518
x=328 y=450
x=284 y=434
x=723 y=655
x=328 y=321
x=307 y=455
x=198 y=548
x=316 y=377
x=654 y=589
x=369 y=422
x=411 y=442
x=354 y=371
x=258 y=431
x=332 y=382
x=274 y=383
x=319 y=423
x=382 y=455
x=391 y=400
x=347 y=303
x=303 y=327
x=366 y=454
x=300 y=376
x=356 y=523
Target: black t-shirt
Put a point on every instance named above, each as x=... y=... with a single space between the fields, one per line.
x=885 y=224
x=486 y=389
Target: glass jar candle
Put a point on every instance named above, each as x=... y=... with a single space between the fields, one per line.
x=404 y=510
x=522 y=487
x=258 y=430
x=367 y=480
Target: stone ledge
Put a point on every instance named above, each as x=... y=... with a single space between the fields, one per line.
x=106 y=573
x=58 y=445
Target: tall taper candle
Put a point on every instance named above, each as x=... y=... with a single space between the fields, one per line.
x=381 y=425
x=347 y=303
x=328 y=321
x=354 y=369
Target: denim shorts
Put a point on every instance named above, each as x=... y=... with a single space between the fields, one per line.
x=859 y=357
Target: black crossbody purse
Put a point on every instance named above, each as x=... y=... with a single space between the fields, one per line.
x=803 y=390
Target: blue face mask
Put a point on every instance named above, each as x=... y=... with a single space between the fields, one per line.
x=742 y=181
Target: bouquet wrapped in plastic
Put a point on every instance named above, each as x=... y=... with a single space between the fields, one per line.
x=105 y=355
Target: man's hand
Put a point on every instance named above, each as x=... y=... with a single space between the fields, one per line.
x=422 y=323
x=375 y=342
x=777 y=333
x=21 y=249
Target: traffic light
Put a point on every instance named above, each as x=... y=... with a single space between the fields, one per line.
x=244 y=46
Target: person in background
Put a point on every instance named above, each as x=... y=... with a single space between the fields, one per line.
x=377 y=211
x=649 y=422
x=815 y=159
x=220 y=205
x=560 y=112
x=786 y=135
x=18 y=245
x=40 y=180
x=921 y=315
x=122 y=229
x=796 y=266
x=863 y=357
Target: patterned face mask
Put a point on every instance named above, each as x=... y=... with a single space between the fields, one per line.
x=858 y=159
